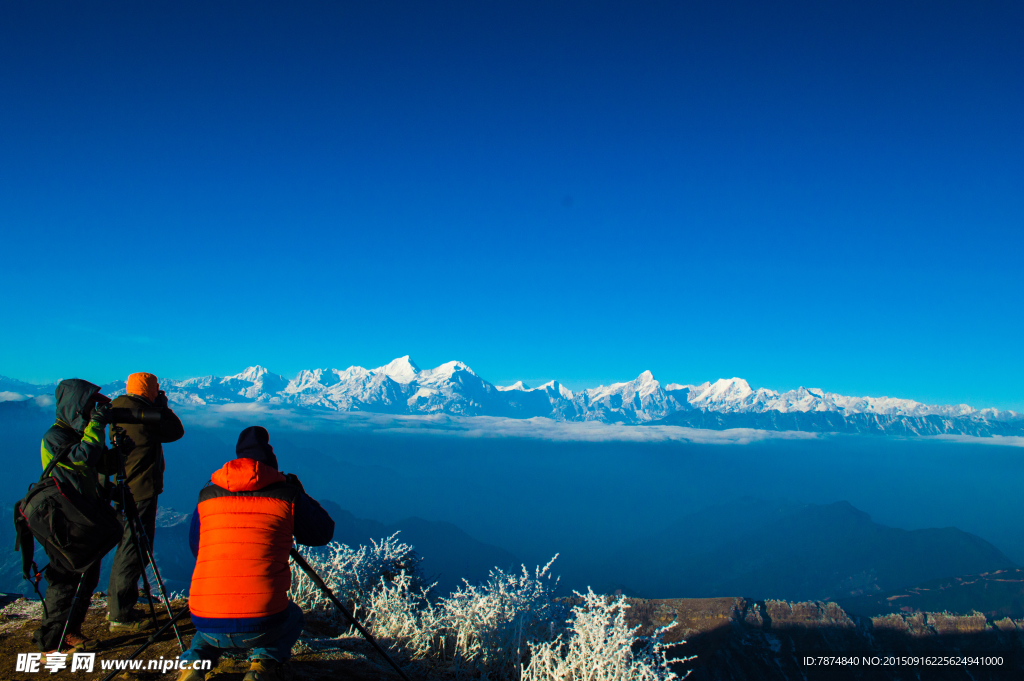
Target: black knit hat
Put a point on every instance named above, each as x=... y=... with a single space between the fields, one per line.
x=254 y=443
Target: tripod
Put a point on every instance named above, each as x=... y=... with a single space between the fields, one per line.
x=153 y=637
x=318 y=580
x=140 y=539
x=71 y=609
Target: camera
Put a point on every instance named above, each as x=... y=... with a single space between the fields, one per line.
x=122 y=415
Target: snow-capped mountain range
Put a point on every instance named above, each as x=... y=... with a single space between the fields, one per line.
x=401 y=387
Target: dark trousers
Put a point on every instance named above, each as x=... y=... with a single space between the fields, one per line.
x=60 y=592
x=123 y=592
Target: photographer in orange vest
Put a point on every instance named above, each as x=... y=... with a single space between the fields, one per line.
x=241 y=534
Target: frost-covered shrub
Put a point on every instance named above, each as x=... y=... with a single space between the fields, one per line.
x=352 y=574
x=487 y=627
x=477 y=630
x=599 y=646
x=403 y=617
x=506 y=629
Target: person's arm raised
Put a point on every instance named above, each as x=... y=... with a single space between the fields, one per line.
x=193 y=533
x=313 y=525
x=171 y=429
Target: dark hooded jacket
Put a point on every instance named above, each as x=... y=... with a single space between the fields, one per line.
x=82 y=439
x=144 y=460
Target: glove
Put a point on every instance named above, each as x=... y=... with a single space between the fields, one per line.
x=101 y=414
x=161 y=400
x=293 y=479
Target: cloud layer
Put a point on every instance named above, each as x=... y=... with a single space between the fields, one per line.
x=1002 y=440
x=41 y=400
x=476 y=426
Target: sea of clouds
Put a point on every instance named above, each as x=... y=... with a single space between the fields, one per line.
x=214 y=416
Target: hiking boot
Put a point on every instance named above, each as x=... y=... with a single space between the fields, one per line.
x=265 y=670
x=191 y=675
x=133 y=625
x=75 y=641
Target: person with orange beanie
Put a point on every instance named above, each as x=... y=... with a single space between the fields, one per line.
x=144 y=467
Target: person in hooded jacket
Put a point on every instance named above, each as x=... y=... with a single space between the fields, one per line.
x=241 y=535
x=144 y=469
x=82 y=415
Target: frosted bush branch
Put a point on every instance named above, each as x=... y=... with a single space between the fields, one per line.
x=479 y=630
x=599 y=646
x=505 y=629
x=351 y=574
x=403 y=617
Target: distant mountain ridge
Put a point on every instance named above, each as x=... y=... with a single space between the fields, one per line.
x=996 y=594
x=401 y=387
x=780 y=549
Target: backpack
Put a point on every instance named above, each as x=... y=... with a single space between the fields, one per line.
x=75 y=530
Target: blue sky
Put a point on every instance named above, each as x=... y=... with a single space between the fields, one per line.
x=818 y=194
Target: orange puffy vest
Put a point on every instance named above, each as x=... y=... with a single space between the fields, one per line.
x=247 y=518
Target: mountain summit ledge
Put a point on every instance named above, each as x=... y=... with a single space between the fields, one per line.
x=732 y=638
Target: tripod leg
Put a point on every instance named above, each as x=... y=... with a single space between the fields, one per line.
x=140 y=538
x=136 y=526
x=71 y=611
x=145 y=552
x=308 y=569
x=163 y=594
x=153 y=637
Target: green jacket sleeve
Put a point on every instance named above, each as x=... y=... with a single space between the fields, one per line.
x=84 y=456
x=88 y=452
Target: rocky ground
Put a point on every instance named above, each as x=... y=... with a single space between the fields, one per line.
x=737 y=638
x=317 y=658
x=732 y=639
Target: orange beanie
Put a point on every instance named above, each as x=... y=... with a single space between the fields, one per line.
x=144 y=385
